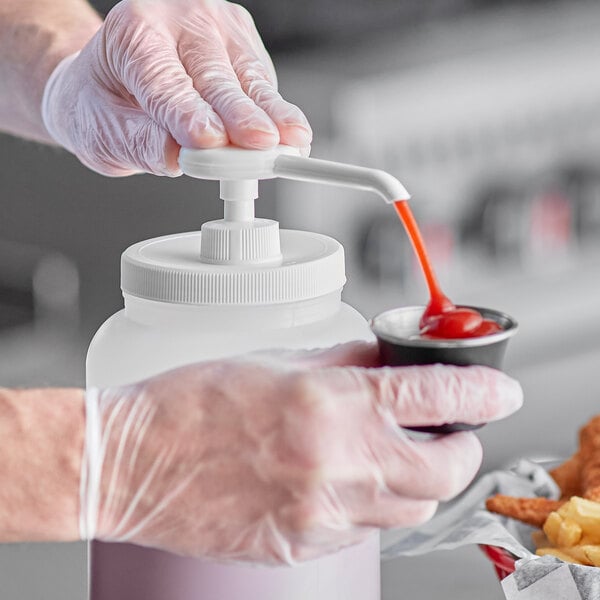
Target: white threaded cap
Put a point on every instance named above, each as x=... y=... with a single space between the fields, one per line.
x=169 y=269
x=239 y=243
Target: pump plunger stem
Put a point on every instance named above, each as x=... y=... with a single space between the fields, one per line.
x=239 y=197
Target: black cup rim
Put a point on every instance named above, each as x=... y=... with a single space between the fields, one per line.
x=508 y=324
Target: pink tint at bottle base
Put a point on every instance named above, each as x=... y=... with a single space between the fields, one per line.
x=127 y=572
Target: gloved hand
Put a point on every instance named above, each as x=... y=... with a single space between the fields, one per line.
x=280 y=458
x=160 y=74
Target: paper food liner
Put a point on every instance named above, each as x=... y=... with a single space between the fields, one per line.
x=466 y=521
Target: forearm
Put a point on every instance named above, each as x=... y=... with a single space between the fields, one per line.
x=42 y=434
x=35 y=35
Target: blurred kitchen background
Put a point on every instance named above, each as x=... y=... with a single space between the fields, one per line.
x=488 y=111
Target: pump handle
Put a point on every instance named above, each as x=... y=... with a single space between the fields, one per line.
x=234 y=164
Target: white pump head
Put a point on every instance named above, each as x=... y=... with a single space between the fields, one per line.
x=237 y=164
x=240 y=239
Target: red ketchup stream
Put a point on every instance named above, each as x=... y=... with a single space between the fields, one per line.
x=441 y=319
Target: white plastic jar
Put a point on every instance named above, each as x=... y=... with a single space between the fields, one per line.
x=181 y=308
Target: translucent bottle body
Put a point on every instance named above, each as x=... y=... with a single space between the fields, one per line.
x=149 y=337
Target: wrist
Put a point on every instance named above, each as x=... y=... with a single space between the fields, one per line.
x=34 y=37
x=123 y=447
x=42 y=433
x=65 y=46
x=48 y=112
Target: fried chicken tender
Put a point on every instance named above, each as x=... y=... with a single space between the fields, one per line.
x=589 y=451
x=533 y=511
x=568 y=477
x=578 y=476
x=571 y=525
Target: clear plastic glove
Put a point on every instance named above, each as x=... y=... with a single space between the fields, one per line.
x=160 y=74
x=280 y=458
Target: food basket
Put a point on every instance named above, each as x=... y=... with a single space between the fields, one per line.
x=465 y=521
x=503 y=560
x=502 y=513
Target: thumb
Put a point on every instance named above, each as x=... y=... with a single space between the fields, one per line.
x=438 y=394
x=134 y=144
x=108 y=133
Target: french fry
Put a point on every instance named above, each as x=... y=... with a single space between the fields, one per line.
x=593 y=554
x=569 y=533
x=551 y=527
x=578 y=553
x=587 y=514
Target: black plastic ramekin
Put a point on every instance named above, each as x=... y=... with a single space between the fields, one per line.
x=400 y=344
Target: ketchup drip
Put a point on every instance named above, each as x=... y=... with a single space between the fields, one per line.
x=441 y=319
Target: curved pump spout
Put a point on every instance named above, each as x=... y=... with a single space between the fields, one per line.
x=334 y=173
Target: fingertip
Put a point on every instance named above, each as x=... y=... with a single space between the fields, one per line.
x=156 y=151
x=294 y=128
x=460 y=473
x=172 y=149
x=438 y=394
x=256 y=138
x=473 y=457
x=424 y=511
x=200 y=140
x=295 y=135
x=509 y=395
x=502 y=394
x=472 y=450
x=163 y=162
x=202 y=130
x=513 y=390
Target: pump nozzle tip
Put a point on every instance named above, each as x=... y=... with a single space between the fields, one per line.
x=388 y=187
